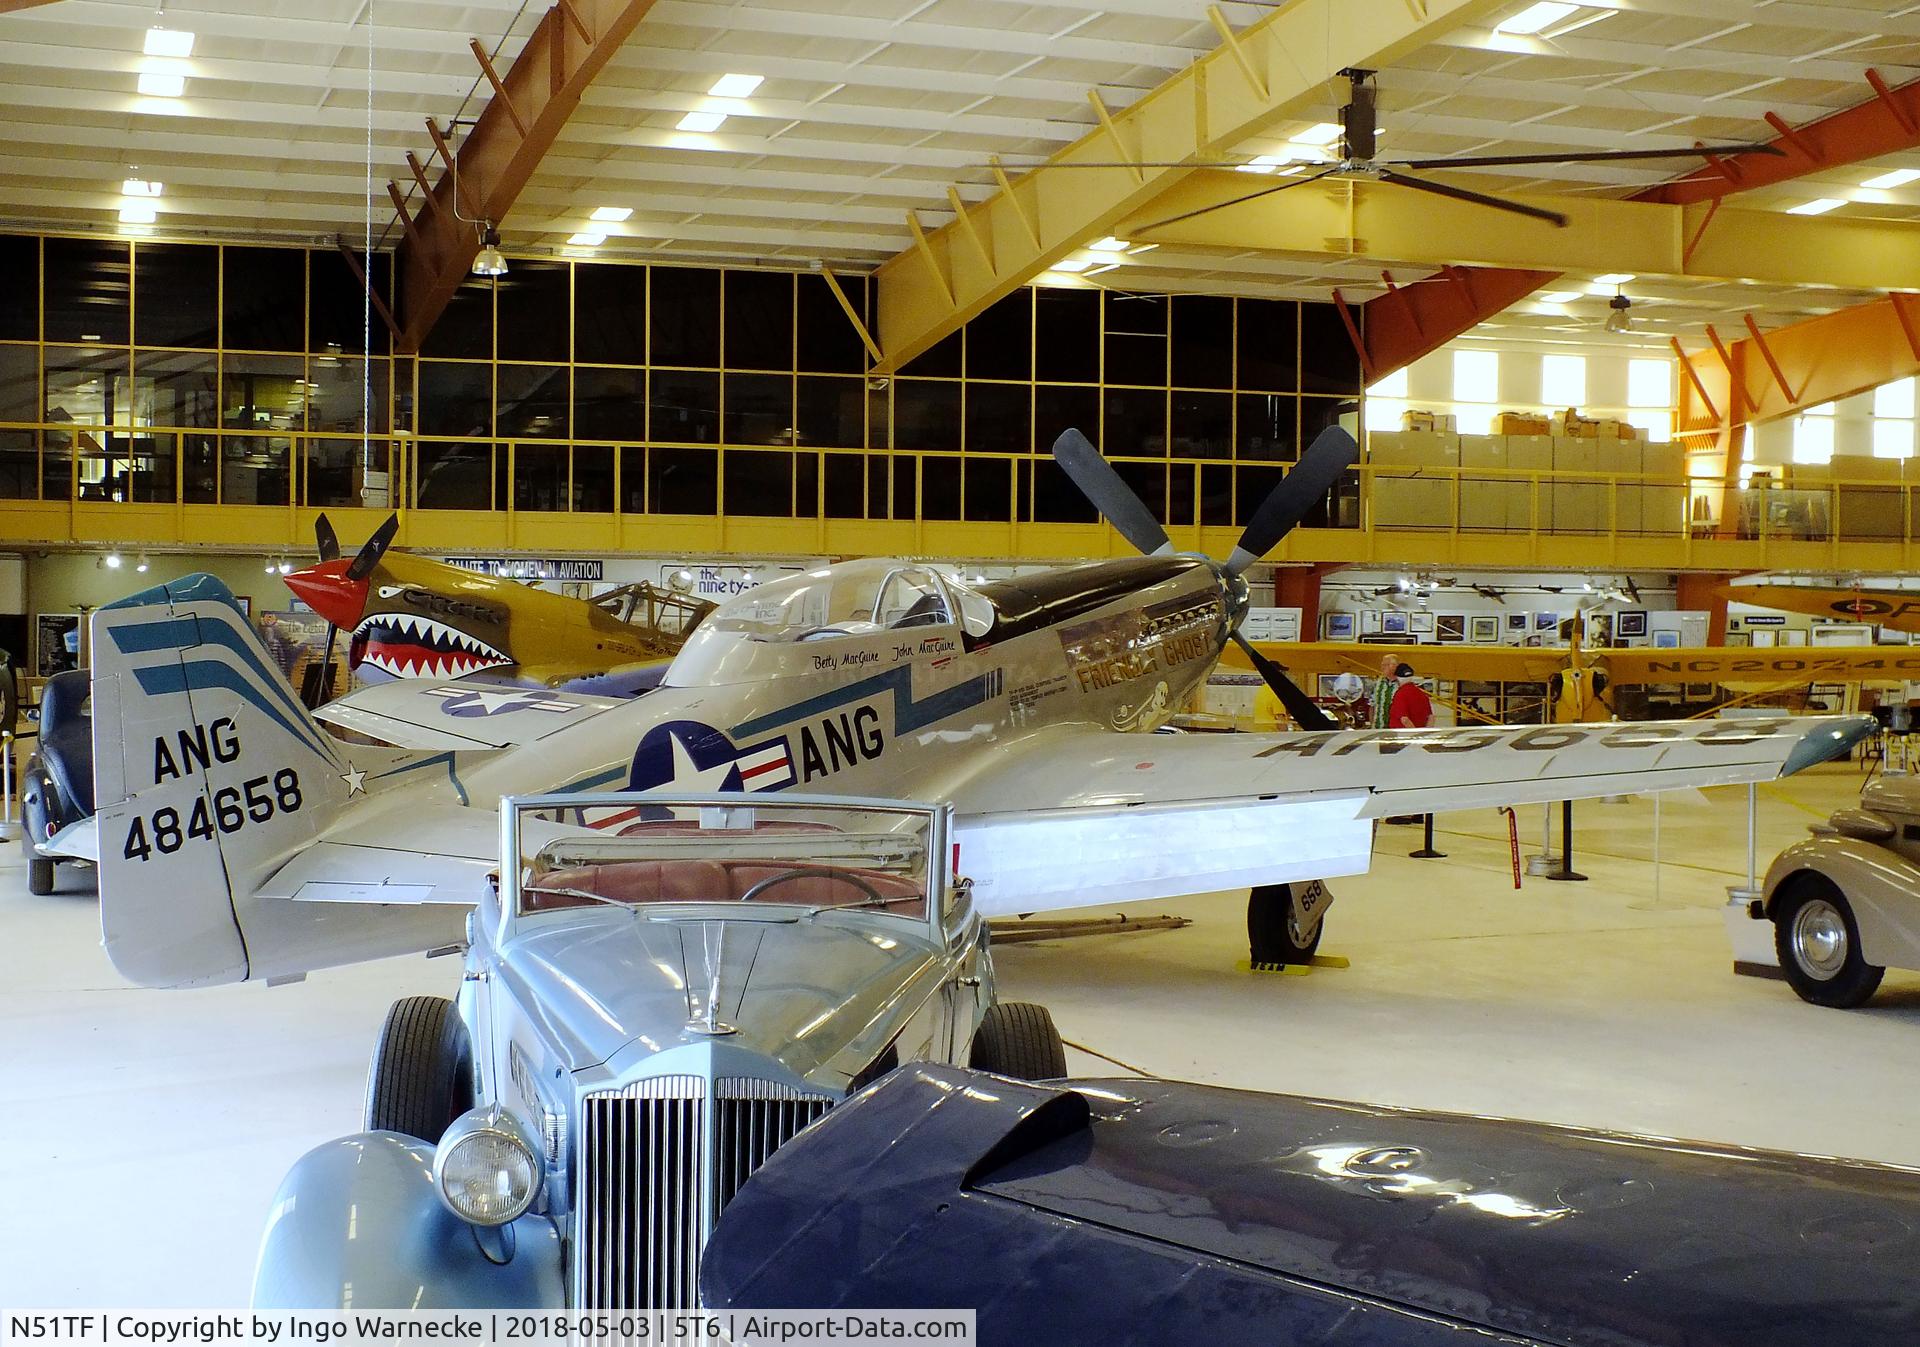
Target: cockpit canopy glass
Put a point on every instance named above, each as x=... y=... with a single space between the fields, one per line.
x=853 y=598
x=635 y=853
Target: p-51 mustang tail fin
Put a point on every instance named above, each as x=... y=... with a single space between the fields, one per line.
x=209 y=775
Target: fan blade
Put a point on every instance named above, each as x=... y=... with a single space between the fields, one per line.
x=1299 y=705
x=373 y=549
x=1115 y=500
x=1552 y=217
x=1238 y=200
x=1331 y=454
x=1581 y=157
x=326 y=539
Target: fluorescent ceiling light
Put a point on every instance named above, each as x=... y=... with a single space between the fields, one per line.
x=1819 y=206
x=169 y=42
x=1557 y=296
x=1109 y=244
x=1323 y=133
x=735 y=86
x=587 y=239
x=611 y=214
x=702 y=121
x=1535 y=17
x=1070 y=264
x=1886 y=182
x=136 y=212
x=1614 y=278
x=158 y=84
x=139 y=187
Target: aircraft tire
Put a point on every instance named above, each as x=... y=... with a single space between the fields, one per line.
x=1818 y=943
x=421 y=1077
x=1272 y=937
x=39 y=876
x=1018 y=1039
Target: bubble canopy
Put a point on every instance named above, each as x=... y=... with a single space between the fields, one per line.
x=853 y=598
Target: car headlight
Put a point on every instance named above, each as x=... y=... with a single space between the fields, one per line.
x=486 y=1167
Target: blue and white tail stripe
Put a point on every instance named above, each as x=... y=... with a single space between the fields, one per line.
x=197 y=641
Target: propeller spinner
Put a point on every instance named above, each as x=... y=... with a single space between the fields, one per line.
x=1331 y=454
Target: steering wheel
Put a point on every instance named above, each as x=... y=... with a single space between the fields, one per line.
x=807 y=872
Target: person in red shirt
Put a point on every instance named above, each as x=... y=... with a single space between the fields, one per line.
x=1411 y=708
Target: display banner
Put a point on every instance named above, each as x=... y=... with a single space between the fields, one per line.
x=513 y=1328
x=532 y=568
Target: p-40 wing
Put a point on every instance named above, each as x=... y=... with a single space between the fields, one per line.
x=1090 y=817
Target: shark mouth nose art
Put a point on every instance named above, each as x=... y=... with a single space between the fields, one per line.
x=419 y=647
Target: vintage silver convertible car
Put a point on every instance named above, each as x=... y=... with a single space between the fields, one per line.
x=1845 y=902
x=663 y=991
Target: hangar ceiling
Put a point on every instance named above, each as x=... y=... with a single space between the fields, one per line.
x=871 y=108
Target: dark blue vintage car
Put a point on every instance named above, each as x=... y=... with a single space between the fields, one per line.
x=1148 y=1211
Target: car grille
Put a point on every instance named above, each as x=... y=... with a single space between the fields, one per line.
x=656 y=1166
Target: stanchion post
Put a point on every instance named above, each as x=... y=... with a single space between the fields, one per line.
x=1566 y=870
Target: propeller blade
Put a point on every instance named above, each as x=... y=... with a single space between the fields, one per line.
x=1115 y=500
x=1579 y=157
x=1331 y=454
x=1235 y=201
x=1552 y=217
x=373 y=549
x=1304 y=712
x=326 y=539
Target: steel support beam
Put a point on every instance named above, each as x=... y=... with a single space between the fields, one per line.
x=1207 y=110
x=1416 y=320
x=1802 y=365
x=531 y=104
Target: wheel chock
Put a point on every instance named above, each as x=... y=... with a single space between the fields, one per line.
x=1295 y=969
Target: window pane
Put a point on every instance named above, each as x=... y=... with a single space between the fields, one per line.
x=342 y=391
x=263 y=296
x=879 y=486
x=831 y=412
x=1328 y=362
x=263 y=392
x=1894 y=399
x=339 y=318
x=1148 y=481
x=255 y=469
x=593 y=478
x=759 y=308
x=81 y=382
x=1202 y=425
x=19 y=383
x=455 y=476
x=1216 y=495
x=200 y=469
x=87 y=290
x=20 y=296
x=1892 y=439
x=828 y=341
x=942 y=358
x=176 y=294
x=1268 y=355
x=456 y=399
x=1649 y=383
x=610 y=314
x=19 y=465
x=1180 y=493
x=685 y=405
x=846 y=478
x=346 y=472
x=1393 y=385
x=1066 y=339
x=1135 y=422
x=1057 y=408
x=905 y=487
x=532 y=308
x=540 y=477
x=1202 y=341
x=532 y=401
x=989 y=489
x=1000 y=340
x=1251 y=486
x=998 y=419
x=179 y=388
x=1476 y=376
x=759 y=408
x=926 y=415
x=609 y=404
x=1056 y=500
x=806 y=485
x=633 y=480
x=1563 y=380
x=759 y=483
x=1136 y=346
x=683 y=481
x=465 y=330
x=685 y=324
x=940 y=491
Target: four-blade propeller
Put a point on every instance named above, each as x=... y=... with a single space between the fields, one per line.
x=1330 y=455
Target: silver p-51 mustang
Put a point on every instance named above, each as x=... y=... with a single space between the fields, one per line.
x=238 y=839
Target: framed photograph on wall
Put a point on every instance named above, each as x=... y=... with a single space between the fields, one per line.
x=1393 y=624
x=56 y=643
x=1546 y=621
x=1517 y=622
x=1420 y=624
x=1337 y=626
x=1484 y=628
x=1370 y=622
x=1670 y=640
x=1449 y=627
x=1630 y=622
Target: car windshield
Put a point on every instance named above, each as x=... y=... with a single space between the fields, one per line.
x=854 y=598
x=634 y=853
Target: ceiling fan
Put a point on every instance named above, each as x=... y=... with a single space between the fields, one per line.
x=1359 y=135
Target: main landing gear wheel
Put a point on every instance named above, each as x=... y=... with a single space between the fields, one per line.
x=1018 y=1039
x=1278 y=931
x=1819 y=944
x=421 y=1078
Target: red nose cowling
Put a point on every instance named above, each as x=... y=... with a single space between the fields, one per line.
x=325 y=588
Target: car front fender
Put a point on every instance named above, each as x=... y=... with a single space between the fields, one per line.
x=357 y=1224
x=1881 y=886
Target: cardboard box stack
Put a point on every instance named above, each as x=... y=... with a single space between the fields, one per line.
x=1403 y=496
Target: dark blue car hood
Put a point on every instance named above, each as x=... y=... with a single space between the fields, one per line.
x=1150 y=1211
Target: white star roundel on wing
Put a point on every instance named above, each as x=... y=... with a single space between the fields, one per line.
x=356 y=780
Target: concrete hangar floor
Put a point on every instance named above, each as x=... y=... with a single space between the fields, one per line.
x=151 y=1128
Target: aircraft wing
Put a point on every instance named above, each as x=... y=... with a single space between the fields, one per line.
x=464 y=714
x=1769 y=666
x=1088 y=817
x=1481 y=663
